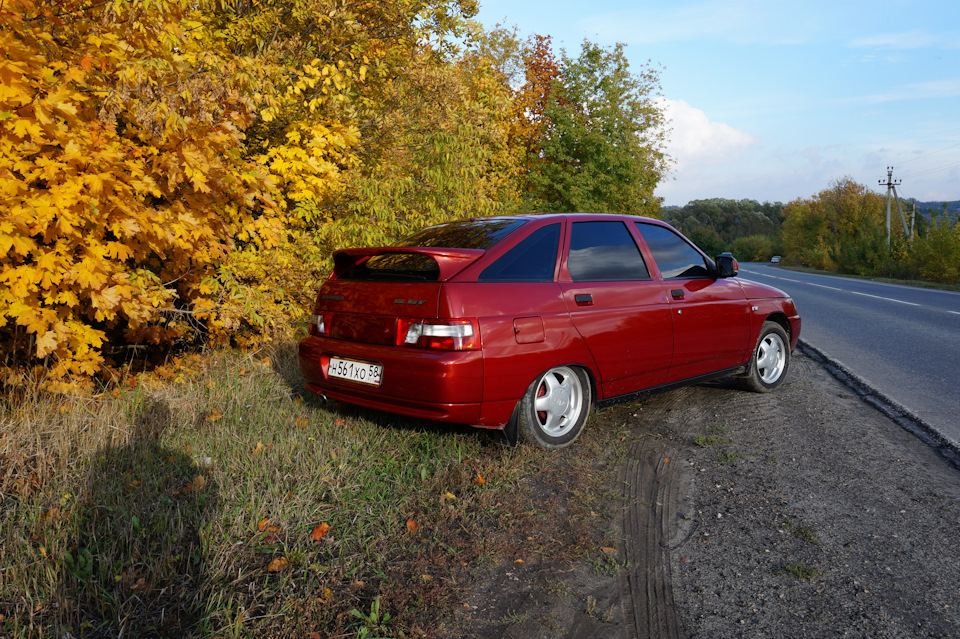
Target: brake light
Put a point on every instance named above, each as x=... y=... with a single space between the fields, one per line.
x=320 y=324
x=446 y=335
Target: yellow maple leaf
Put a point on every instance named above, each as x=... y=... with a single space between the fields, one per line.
x=47 y=343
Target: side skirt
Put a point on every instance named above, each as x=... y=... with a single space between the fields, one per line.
x=629 y=397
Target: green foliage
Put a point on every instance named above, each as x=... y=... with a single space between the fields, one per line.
x=603 y=146
x=728 y=219
x=843 y=228
x=936 y=255
x=754 y=248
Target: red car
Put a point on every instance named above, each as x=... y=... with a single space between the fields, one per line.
x=524 y=323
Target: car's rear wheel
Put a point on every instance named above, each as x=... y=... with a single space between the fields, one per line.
x=770 y=360
x=555 y=408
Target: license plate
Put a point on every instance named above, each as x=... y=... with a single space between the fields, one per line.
x=355 y=370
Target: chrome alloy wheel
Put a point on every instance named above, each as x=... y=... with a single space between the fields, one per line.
x=559 y=401
x=771 y=358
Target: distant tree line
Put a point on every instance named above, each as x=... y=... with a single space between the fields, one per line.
x=841 y=229
x=747 y=228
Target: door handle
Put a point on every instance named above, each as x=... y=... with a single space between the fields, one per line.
x=677 y=293
x=583 y=299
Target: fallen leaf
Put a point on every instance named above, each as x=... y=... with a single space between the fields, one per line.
x=320 y=531
x=199 y=482
x=426 y=578
x=449 y=496
x=278 y=564
x=52 y=513
x=264 y=526
x=479 y=479
x=214 y=415
x=666 y=460
x=608 y=550
x=412 y=525
x=340 y=422
x=518 y=561
x=357 y=584
x=301 y=422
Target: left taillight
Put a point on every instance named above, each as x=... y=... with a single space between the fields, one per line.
x=320 y=324
x=445 y=335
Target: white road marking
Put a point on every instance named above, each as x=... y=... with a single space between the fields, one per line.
x=889 y=299
x=833 y=288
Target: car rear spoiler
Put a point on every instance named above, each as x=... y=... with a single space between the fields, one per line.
x=450 y=260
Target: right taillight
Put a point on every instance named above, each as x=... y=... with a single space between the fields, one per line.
x=446 y=335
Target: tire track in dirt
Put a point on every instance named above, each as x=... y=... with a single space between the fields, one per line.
x=651 y=490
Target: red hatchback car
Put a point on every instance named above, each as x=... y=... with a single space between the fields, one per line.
x=524 y=323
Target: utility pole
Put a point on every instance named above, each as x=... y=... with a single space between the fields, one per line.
x=891 y=185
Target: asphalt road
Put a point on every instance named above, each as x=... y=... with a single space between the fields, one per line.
x=903 y=341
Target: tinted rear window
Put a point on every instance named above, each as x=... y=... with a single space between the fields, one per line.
x=532 y=260
x=394 y=267
x=468 y=234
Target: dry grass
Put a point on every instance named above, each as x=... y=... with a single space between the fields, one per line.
x=188 y=509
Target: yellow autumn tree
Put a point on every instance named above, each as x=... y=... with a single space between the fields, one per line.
x=122 y=180
x=339 y=111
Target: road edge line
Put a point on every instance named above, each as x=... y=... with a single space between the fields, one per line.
x=948 y=449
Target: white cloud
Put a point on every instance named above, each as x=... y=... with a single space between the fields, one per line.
x=919 y=91
x=695 y=140
x=908 y=40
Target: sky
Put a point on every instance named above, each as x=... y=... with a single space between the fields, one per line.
x=774 y=101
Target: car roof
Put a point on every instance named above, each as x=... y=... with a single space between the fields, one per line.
x=574 y=216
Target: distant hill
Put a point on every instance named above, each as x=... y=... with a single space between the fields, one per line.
x=926 y=207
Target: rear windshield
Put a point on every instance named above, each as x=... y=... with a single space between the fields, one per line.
x=394 y=267
x=467 y=234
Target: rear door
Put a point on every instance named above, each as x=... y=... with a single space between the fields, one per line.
x=711 y=319
x=620 y=311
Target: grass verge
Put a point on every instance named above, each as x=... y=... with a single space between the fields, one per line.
x=230 y=504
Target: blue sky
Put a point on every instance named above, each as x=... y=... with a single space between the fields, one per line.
x=772 y=100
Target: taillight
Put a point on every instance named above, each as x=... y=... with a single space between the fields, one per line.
x=445 y=335
x=320 y=324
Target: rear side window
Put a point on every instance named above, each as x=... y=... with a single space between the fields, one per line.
x=604 y=251
x=468 y=234
x=394 y=267
x=532 y=260
x=675 y=257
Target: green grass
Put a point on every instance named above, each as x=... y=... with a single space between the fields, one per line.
x=713 y=436
x=803 y=533
x=801 y=571
x=187 y=509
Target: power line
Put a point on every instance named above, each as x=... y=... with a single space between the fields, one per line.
x=935 y=170
x=920 y=157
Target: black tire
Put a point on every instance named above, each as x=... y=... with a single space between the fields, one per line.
x=555 y=408
x=770 y=360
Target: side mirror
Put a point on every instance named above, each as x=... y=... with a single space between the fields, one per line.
x=727 y=265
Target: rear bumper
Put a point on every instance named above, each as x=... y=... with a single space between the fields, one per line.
x=437 y=385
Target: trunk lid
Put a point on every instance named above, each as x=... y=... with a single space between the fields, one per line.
x=370 y=289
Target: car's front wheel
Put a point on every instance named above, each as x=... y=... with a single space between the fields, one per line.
x=770 y=360
x=555 y=408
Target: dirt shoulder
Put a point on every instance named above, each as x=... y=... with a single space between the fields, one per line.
x=804 y=512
